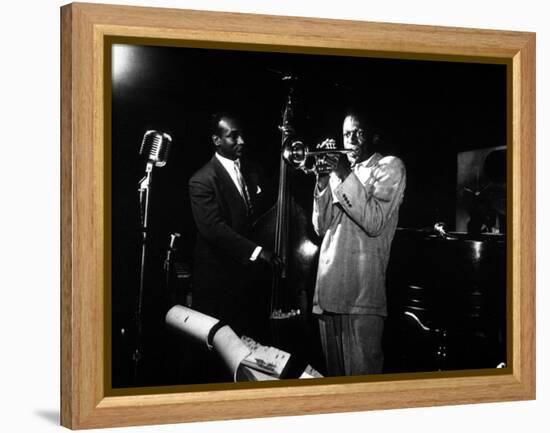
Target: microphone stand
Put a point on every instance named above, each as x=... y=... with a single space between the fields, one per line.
x=144 y=191
x=169 y=261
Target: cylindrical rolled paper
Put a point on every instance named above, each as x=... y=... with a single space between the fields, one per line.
x=191 y=322
x=230 y=348
x=227 y=344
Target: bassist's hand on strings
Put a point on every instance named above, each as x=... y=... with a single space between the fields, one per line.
x=272 y=259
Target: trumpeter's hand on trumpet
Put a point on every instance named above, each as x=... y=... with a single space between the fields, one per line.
x=331 y=162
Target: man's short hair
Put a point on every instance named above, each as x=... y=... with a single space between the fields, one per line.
x=366 y=119
x=215 y=122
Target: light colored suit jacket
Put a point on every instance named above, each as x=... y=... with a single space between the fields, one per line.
x=357 y=219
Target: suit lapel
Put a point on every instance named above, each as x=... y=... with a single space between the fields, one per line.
x=227 y=183
x=251 y=184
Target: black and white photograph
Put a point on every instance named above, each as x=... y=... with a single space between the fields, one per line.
x=243 y=216
x=280 y=215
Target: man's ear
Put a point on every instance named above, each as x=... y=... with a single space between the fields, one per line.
x=215 y=140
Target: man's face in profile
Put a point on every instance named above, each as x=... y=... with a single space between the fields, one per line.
x=229 y=141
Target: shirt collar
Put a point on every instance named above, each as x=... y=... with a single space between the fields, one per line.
x=229 y=164
x=369 y=161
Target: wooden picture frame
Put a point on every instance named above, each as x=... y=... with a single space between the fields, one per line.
x=84 y=228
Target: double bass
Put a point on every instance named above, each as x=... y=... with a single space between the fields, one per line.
x=287 y=230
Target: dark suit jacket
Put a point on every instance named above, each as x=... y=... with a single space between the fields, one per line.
x=222 y=266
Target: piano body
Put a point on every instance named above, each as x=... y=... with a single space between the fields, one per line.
x=446 y=302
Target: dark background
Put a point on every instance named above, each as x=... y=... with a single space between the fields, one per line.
x=426 y=112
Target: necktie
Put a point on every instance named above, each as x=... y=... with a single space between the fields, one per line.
x=242 y=187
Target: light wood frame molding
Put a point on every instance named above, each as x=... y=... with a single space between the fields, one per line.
x=84 y=403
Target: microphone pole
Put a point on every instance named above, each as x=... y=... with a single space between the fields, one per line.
x=156 y=146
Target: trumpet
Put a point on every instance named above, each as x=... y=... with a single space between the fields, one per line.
x=296 y=154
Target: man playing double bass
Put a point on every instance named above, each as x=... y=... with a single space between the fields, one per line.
x=224 y=196
x=355 y=212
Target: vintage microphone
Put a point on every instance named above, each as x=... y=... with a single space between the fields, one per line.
x=155 y=145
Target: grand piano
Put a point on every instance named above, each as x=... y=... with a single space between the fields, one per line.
x=446 y=301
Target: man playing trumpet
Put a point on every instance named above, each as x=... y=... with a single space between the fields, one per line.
x=355 y=211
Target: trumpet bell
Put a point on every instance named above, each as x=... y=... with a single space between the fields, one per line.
x=295 y=154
